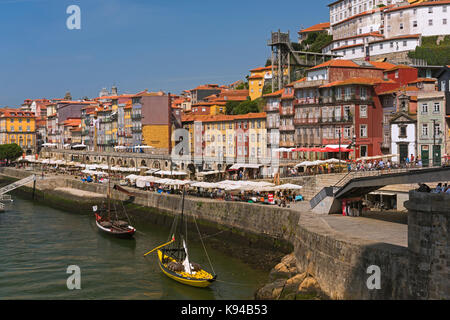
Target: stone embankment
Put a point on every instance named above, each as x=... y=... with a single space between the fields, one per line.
x=323 y=263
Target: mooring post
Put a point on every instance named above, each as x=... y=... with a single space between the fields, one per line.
x=34 y=188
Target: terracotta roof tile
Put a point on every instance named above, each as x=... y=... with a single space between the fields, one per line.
x=317 y=27
x=219 y=118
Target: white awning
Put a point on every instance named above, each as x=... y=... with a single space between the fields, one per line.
x=79 y=146
x=245 y=165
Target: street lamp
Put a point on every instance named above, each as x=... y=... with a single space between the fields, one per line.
x=434 y=141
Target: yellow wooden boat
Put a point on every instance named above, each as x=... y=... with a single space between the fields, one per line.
x=173 y=257
x=201 y=278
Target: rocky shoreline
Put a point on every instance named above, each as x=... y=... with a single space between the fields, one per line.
x=287 y=282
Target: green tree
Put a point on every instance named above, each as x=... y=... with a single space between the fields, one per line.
x=244 y=107
x=10 y=151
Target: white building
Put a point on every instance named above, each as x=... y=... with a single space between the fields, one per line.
x=395 y=44
x=403 y=136
x=343 y=9
x=427 y=18
x=396 y=27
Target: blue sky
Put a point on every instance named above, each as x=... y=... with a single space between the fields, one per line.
x=169 y=45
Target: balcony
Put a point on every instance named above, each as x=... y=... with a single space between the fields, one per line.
x=136 y=129
x=288 y=127
x=287 y=112
x=348 y=119
x=271 y=125
x=272 y=108
x=136 y=116
x=303 y=121
x=286 y=144
x=307 y=101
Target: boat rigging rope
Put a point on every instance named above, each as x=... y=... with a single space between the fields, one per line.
x=203 y=244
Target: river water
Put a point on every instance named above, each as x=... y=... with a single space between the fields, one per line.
x=38 y=244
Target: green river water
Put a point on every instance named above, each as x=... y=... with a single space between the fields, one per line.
x=38 y=243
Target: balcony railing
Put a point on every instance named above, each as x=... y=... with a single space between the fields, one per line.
x=334 y=119
x=289 y=127
x=287 y=112
x=270 y=108
x=298 y=121
x=136 y=129
x=287 y=143
x=304 y=101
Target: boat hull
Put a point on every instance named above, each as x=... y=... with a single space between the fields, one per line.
x=129 y=233
x=190 y=281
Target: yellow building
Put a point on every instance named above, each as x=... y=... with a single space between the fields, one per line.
x=258 y=78
x=223 y=138
x=128 y=137
x=18 y=126
x=156 y=136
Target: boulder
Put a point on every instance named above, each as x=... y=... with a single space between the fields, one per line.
x=291 y=287
x=285 y=269
x=270 y=291
x=308 y=289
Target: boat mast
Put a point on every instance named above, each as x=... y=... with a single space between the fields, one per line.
x=181 y=225
x=109 y=190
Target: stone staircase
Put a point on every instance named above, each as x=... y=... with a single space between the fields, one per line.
x=314 y=184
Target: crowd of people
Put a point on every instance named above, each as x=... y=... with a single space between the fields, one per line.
x=440 y=188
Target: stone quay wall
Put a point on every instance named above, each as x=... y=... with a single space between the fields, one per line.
x=338 y=262
x=429 y=244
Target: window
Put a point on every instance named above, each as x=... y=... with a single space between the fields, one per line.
x=363 y=130
x=424 y=108
x=430 y=10
x=402 y=132
x=437 y=107
x=347 y=132
x=425 y=129
x=401 y=26
x=363 y=151
x=363 y=93
x=405 y=43
x=415 y=24
x=430 y=22
x=437 y=129
x=444 y=21
x=444 y=9
x=363 y=111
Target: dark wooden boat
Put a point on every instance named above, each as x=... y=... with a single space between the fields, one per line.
x=110 y=217
x=117 y=228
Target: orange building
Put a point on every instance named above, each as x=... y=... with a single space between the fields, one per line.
x=18 y=126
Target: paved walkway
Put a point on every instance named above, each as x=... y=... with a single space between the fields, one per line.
x=373 y=229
